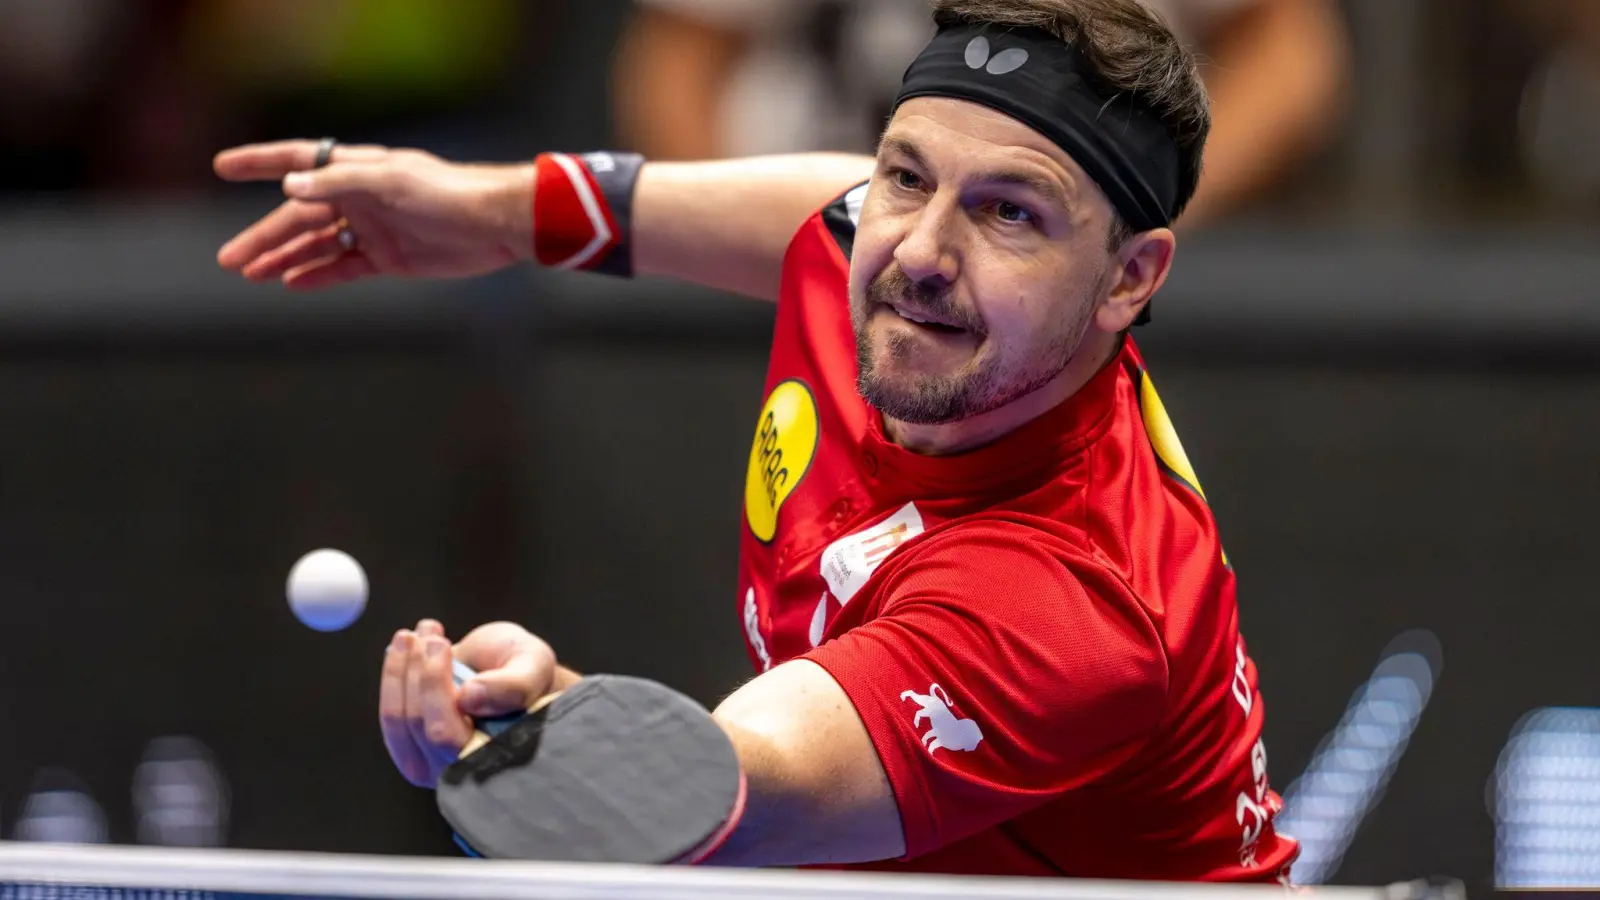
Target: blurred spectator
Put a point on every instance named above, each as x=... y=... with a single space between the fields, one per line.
x=94 y=91
x=180 y=797
x=59 y=810
x=707 y=78
x=136 y=95
x=1560 y=117
x=368 y=58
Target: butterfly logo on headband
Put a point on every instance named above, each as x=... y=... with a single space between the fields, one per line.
x=1003 y=63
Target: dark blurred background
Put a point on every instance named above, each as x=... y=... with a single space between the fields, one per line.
x=1381 y=345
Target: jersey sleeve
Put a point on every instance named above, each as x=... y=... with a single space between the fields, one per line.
x=816 y=265
x=843 y=216
x=1003 y=671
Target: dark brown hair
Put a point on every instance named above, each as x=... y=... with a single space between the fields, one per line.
x=1132 y=50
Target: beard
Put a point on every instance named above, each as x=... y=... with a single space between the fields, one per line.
x=982 y=385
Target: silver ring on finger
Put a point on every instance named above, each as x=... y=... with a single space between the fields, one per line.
x=324 y=152
x=347 y=237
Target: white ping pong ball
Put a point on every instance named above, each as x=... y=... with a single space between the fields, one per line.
x=327 y=590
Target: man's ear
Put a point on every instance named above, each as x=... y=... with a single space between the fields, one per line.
x=1141 y=267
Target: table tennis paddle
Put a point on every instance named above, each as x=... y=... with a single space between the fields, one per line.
x=614 y=769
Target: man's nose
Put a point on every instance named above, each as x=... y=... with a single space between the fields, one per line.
x=925 y=253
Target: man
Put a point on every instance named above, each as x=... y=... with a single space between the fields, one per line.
x=699 y=79
x=994 y=625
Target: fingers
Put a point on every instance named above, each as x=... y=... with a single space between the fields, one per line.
x=271 y=161
x=497 y=644
x=330 y=272
x=298 y=250
x=511 y=688
x=446 y=729
x=436 y=727
x=423 y=726
x=273 y=230
x=397 y=738
x=297 y=242
x=340 y=181
x=413 y=701
x=515 y=669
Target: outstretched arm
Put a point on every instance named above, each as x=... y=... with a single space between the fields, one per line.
x=728 y=224
x=817 y=791
x=724 y=225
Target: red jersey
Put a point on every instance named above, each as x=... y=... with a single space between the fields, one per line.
x=1040 y=635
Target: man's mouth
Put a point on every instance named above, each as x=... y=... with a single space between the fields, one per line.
x=925 y=320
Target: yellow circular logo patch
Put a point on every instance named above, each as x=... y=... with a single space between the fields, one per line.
x=786 y=442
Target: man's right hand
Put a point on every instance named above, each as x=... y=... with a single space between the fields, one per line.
x=412 y=214
x=426 y=720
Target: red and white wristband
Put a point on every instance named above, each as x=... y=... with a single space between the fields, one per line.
x=583 y=211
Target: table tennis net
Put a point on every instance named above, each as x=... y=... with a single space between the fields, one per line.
x=60 y=872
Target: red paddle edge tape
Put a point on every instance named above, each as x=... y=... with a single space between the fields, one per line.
x=714 y=843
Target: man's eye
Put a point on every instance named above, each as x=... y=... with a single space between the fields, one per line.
x=907 y=180
x=1010 y=212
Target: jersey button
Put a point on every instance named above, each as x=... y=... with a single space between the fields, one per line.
x=870 y=461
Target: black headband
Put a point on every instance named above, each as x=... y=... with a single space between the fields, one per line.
x=1045 y=83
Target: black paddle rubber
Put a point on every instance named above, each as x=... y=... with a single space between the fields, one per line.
x=615 y=769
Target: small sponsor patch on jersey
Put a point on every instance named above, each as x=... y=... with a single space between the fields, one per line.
x=851 y=560
x=946 y=730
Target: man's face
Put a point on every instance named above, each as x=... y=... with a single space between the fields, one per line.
x=991 y=236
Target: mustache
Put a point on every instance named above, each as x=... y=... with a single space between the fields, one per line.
x=895 y=287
